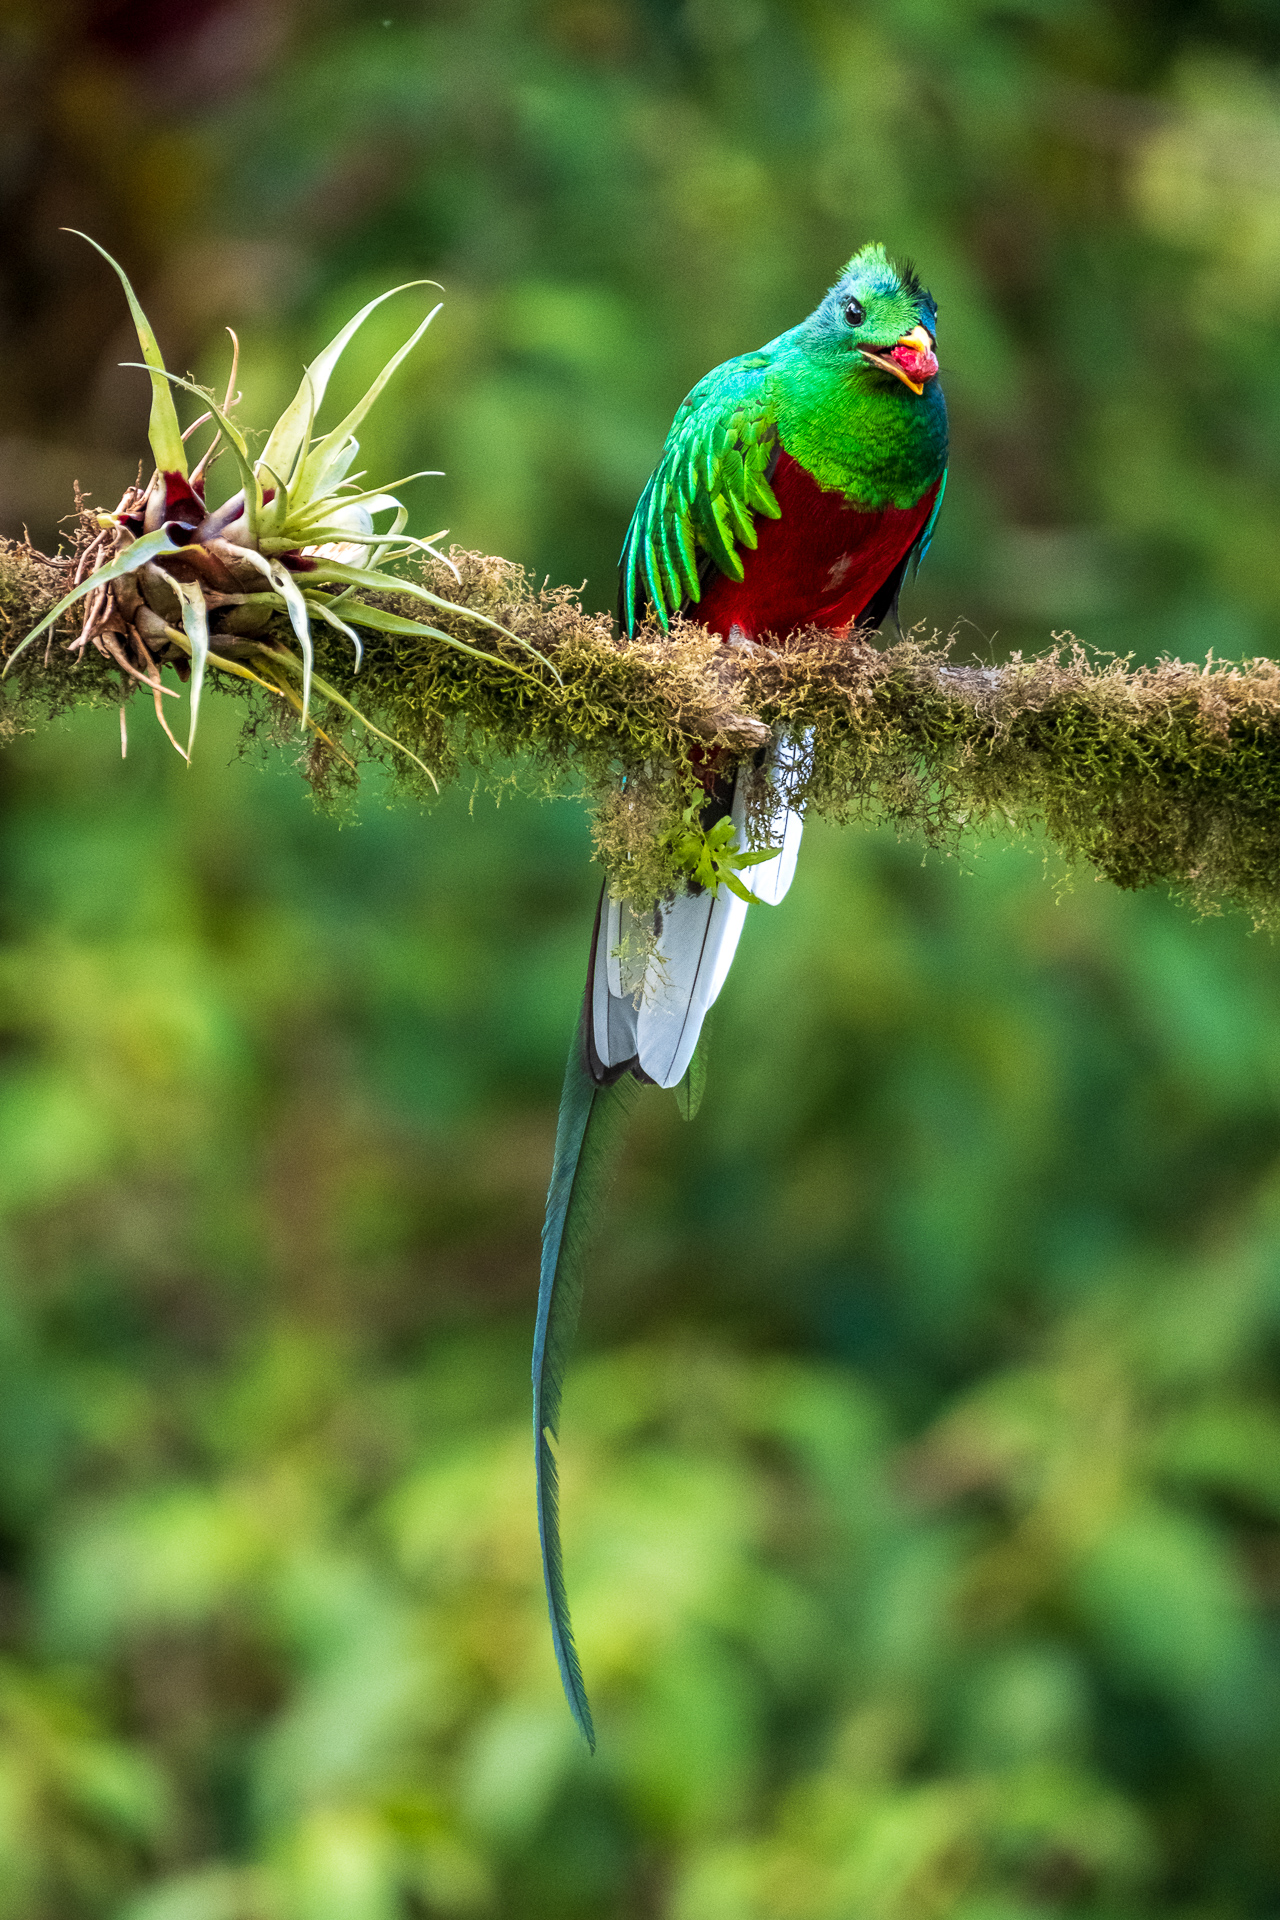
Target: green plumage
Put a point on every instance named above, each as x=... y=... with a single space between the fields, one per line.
x=588 y=1134
x=712 y=478
x=809 y=393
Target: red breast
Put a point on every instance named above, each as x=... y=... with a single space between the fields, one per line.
x=819 y=565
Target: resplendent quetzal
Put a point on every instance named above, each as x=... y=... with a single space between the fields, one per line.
x=795 y=487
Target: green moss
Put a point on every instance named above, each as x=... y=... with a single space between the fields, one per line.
x=1155 y=776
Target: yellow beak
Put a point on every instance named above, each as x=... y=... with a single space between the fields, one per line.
x=918 y=341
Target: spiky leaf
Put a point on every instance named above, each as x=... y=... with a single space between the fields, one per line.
x=168 y=449
x=292 y=432
x=132 y=560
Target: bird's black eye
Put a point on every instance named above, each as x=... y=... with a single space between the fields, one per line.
x=855 y=313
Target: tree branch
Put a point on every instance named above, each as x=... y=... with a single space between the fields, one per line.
x=1165 y=775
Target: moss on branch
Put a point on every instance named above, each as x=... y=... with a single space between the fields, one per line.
x=1165 y=775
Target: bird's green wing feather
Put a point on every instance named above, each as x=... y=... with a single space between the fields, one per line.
x=922 y=544
x=587 y=1134
x=711 y=482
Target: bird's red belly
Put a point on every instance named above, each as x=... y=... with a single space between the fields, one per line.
x=819 y=565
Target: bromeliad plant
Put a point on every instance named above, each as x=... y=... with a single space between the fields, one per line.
x=178 y=584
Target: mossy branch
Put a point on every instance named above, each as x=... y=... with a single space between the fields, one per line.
x=1165 y=775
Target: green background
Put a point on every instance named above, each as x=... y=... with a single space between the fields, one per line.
x=922 y=1452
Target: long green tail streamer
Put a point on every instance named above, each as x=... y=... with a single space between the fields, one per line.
x=590 y=1128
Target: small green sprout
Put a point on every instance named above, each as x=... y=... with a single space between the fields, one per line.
x=179 y=584
x=711 y=856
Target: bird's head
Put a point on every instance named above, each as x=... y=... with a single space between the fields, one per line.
x=879 y=317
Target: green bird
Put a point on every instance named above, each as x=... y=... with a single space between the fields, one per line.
x=796 y=486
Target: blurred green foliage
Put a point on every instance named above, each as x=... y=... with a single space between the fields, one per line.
x=617 y=194
x=922 y=1461
x=922 y=1464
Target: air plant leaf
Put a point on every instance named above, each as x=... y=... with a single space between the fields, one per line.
x=276 y=511
x=195 y=623
x=239 y=450
x=373 y=500
x=320 y=603
x=352 y=536
x=384 y=622
x=296 y=607
x=167 y=446
x=133 y=558
x=292 y=431
x=394 y=535
x=321 y=465
x=336 y=571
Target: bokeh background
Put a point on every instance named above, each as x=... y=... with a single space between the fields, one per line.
x=922 y=1452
